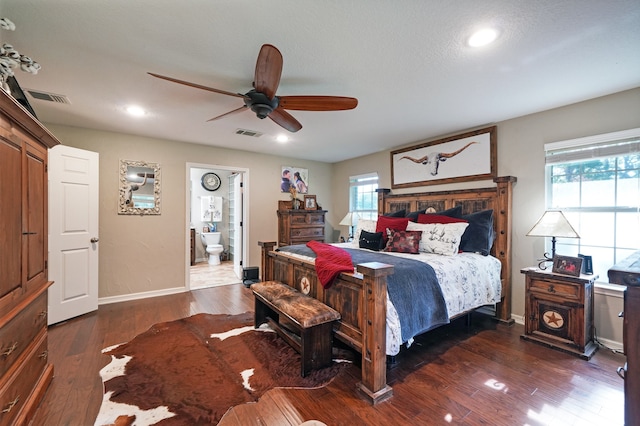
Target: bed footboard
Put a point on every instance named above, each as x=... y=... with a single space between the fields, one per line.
x=361 y=299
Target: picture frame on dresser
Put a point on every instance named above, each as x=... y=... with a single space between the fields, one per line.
x=567 y=265
x=310 y=202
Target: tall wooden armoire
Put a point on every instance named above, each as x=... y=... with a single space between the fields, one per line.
x=25 y=371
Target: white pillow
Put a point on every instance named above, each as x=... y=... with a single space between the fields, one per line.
x=439 y=238
x=363 y=225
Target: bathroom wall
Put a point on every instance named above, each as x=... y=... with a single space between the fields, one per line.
x=197 y=192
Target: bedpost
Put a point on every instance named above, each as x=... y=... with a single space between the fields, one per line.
x=374 y=359
x=382 y=192
x=503 y=243
x=266 y=263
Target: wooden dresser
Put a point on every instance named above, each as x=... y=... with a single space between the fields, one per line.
x=298 y=226
x=25 y=371
x=627 y=273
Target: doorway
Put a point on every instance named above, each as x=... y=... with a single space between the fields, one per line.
x=219 y=208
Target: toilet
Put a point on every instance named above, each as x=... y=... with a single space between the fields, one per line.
x=211 y=241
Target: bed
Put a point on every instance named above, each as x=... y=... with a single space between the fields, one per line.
x=361 y=296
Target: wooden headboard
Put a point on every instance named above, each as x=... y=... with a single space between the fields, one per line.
x=496 y=198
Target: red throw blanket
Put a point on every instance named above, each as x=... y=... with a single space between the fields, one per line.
x=330 y=261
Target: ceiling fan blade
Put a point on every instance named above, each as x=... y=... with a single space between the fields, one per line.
x=235 y=111
x=268 y=70
x=317 y=103
x=284 y=119
x=197 y=86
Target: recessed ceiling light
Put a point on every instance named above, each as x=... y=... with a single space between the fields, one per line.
x=282 y=138
x=483 y=37
x=136 y=111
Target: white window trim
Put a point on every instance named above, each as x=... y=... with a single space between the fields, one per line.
x=601 y=287
x=592 y=140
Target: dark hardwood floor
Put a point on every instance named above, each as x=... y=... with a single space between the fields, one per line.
x=482 y=374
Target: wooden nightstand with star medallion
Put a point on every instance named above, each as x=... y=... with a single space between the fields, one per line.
x=559 y=311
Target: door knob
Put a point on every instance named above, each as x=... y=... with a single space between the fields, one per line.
x=94 y=239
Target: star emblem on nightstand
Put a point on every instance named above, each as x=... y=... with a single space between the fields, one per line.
x=553 y=319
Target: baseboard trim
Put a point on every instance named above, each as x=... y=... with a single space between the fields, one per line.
x=142 y=295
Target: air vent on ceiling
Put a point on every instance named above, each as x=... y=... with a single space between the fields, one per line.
x=246 y=132
x=51 y=97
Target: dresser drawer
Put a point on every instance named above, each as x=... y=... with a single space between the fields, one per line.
x=16 y=391
x=555 y=288
x=307 y=232
x=21 y=330
x=307 y=219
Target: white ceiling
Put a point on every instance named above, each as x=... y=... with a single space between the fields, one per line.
x=405 y=61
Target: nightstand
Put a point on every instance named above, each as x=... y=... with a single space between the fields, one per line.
x=559 y=311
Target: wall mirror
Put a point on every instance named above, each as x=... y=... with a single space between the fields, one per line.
x=139 y=188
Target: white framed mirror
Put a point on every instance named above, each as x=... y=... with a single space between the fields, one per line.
x=139 y=192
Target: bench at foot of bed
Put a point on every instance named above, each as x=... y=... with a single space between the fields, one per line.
x=304 y=322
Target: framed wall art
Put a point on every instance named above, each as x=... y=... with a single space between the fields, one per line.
x=294 y=177
x=465 y=157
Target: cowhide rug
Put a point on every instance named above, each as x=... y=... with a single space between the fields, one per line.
x=191 y=371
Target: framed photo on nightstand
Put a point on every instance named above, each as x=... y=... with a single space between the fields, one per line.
x=567 y=265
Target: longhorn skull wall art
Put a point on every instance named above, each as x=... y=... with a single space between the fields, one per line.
x=468 y=156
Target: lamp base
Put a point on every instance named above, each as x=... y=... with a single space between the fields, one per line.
x=541 y=262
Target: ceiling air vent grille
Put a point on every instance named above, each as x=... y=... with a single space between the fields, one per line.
x=246 y=132
x=51 y=97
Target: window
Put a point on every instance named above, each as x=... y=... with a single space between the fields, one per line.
x=363 y=198
x=595 y=181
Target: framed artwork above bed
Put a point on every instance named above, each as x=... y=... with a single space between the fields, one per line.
x=464 y=157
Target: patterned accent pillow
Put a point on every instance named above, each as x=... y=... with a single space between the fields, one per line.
x=439 y=238
x=403 y=241
x=395 y=223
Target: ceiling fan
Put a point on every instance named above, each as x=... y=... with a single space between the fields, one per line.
x=262 y=99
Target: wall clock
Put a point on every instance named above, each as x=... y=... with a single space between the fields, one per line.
x=210 y=181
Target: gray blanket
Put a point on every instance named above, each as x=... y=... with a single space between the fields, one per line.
x=413 y=289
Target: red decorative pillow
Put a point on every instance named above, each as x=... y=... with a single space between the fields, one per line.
x=436 y=218
x=403 y=241
x=387 y=222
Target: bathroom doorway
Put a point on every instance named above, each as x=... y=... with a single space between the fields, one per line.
x=216 y=202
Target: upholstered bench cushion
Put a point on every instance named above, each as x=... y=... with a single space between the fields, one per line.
x=305 y=310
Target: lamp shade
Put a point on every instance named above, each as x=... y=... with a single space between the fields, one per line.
x=350 y=219
x=553 y=223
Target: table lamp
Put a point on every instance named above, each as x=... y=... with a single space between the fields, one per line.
x=351 y=219
x=553 y=223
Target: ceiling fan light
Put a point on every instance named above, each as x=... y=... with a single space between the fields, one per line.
x=261 y=110
x=482 y=37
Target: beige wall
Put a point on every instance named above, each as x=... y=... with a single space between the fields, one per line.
x=521 y=154
x=148 y=254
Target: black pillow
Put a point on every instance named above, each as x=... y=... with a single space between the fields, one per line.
x=370 y=240
x=399 y=213
x=452 y=212
x=478 y=237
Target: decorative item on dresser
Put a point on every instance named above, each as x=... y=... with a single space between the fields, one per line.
x=627 y=273
x=25 y=372
x=558 y=311
x=298 y=226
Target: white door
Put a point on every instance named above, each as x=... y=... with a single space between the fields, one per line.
x=73 y=232
x=237 y=226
